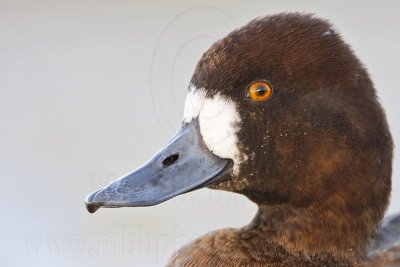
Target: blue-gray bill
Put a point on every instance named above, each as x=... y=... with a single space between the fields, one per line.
x=185 y=164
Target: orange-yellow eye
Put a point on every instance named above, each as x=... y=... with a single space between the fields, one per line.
x=259 y=91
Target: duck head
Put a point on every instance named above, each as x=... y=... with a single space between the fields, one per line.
x=283 y=112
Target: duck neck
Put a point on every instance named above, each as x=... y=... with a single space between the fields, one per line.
x=311 y=232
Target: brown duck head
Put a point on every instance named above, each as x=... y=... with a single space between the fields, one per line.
x=283 y=112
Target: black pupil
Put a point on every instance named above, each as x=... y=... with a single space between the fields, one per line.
x=260 y=90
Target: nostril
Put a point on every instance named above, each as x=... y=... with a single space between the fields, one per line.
x=170 y=160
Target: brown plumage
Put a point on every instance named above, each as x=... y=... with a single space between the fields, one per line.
x=321 y=150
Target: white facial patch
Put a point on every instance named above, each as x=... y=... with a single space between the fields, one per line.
x=218 y=120
x=193 y=103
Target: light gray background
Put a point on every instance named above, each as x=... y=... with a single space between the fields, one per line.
x=90 y=89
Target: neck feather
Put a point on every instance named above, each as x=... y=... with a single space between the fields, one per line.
x=316 y=232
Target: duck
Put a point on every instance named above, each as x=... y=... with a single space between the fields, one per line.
x=282 y=111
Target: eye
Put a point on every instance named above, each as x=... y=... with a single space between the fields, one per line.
x=259 y=91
